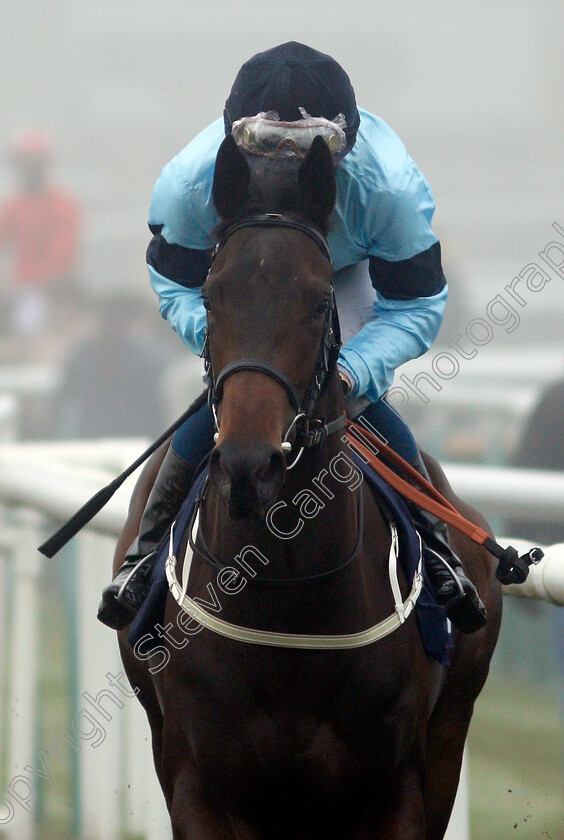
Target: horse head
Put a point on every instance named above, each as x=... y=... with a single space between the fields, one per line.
x=269 y=301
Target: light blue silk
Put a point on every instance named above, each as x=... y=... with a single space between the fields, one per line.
x=399 y=331
x=183 y=309
x=384 y=208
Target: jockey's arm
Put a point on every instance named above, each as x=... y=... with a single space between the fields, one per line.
x=183 y=309
x=182 y=219
x=401 y=329
x=406 y=272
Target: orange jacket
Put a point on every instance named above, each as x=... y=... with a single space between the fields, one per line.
x=41 y=231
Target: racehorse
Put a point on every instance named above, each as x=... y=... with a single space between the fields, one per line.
x=260 y=741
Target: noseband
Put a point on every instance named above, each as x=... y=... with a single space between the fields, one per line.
x=309 y=432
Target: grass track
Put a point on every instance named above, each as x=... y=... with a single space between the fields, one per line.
x=516 y=753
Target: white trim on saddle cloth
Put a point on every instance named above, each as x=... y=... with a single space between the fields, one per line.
x=292 y=640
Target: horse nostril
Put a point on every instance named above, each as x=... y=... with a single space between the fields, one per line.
x=271 y=476
x=248 y=479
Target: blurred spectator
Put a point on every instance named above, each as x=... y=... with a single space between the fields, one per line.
x=112 y=383
x=39 y=228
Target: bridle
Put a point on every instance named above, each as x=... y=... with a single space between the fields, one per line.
x=310 y=432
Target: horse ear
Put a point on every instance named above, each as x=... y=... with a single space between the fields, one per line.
x=316 y=179
x=231 y=179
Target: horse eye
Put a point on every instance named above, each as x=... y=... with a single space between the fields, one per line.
x=322 y=307
x=206 y=303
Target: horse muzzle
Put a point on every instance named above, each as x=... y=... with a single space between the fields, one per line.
x=248 y=479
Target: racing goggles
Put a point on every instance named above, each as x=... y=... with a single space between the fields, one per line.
x=266 y=134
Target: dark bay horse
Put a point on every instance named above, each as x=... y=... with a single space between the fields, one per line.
x=256 y=741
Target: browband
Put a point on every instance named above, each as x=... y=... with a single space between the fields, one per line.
x=275 y=220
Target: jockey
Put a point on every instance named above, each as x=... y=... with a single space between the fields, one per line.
x=383 y=214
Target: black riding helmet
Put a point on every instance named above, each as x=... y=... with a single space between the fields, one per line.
x=288 y=77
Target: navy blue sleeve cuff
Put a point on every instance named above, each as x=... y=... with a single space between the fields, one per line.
x=186 y=266
x=419 y=276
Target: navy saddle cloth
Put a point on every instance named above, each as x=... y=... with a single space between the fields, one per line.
x=434 y=626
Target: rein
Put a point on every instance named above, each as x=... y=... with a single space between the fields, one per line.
x=511 y=567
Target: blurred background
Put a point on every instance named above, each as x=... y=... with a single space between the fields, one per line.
x=96 y=98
